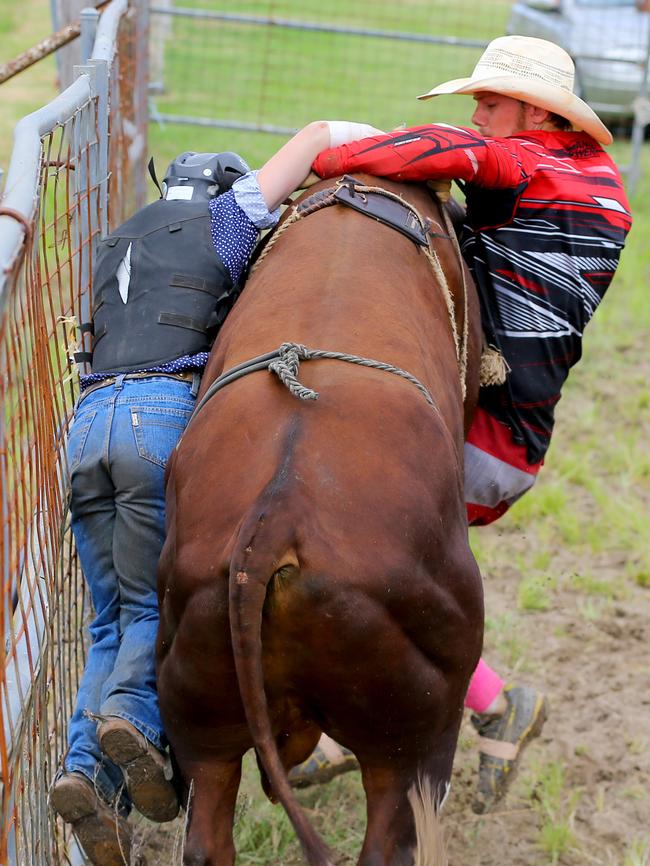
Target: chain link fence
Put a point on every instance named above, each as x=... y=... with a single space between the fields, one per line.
x=76 y=168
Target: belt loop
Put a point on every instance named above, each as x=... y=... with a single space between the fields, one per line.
x=196 y=382
x=119 y=381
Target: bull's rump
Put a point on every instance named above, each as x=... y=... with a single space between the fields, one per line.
x=376 y=596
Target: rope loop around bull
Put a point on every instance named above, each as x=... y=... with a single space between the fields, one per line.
x=285 y=363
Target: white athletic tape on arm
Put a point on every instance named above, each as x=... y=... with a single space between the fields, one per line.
x=344 y=131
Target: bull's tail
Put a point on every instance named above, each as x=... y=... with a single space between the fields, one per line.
x=260 y=551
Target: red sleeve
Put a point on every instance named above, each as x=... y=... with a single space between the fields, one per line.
x=430 y=153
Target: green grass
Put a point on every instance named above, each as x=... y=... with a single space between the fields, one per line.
x=505 y=632
x=534 y=593
x=588 y=584
x=264 y=835
x=638 y=853
x=556 y=804
x=22 y=25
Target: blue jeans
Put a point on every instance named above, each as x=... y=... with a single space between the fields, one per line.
x=119 y=443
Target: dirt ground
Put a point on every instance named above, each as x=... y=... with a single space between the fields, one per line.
x=592 y=662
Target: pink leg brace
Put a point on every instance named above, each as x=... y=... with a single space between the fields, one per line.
x=484 y=686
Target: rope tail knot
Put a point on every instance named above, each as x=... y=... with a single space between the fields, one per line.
x=286 y=369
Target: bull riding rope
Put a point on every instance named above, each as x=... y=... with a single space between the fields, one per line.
x=285 y=361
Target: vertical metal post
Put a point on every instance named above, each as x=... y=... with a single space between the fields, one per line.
x=84 y=180
x=88 y=19
x=161 y=29
x=56 y=25
x=641 y=121
x=56 y=18
x=101 y=83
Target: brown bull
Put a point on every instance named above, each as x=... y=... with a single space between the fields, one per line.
x=317 y=574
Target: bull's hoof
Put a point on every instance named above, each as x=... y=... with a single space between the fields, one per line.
x=103 y=834
x=326 y=761
x=502 y=741
x=147 y=771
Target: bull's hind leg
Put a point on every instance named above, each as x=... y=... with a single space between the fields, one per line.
x=403 y=807
x=212 y=797
x=390 y=831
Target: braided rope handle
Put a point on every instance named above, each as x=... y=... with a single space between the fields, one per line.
x=286 y=369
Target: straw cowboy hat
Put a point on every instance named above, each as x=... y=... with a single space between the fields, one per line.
x=535 y=71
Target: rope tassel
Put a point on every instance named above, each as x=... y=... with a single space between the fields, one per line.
x=494 y=367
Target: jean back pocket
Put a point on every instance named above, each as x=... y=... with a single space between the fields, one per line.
x=157 y=430
x=77 y=436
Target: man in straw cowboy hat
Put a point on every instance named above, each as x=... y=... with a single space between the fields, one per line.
x=546 y=222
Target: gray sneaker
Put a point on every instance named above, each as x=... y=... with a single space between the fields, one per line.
x=328 y=760
x=147 y=771
x=103 y=834
x=502 y=741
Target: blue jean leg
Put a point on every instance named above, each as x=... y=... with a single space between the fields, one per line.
x=119 y=444
x=153 y=428
x=93 y=516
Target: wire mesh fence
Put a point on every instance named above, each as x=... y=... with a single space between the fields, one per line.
x=278 y=65
x=58 y=199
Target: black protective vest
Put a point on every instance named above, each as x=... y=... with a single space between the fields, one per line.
x=179 y=290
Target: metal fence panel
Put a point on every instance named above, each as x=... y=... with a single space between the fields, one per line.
x=57 y=201
x=277 y=65
x=37 y=396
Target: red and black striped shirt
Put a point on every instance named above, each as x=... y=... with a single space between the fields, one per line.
x=546 y=222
